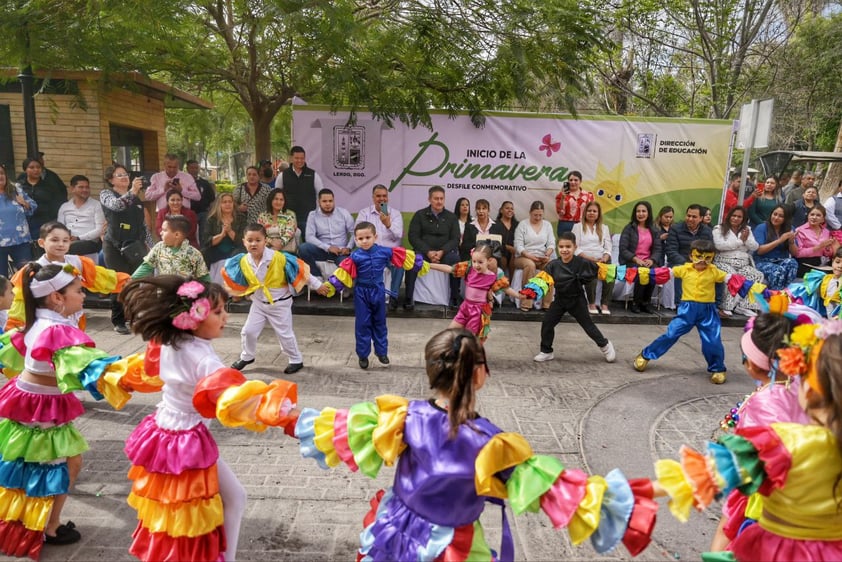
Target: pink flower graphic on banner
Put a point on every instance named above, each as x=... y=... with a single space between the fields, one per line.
x=549 y=146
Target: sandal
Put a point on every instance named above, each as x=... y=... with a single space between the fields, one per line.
x=65 y=534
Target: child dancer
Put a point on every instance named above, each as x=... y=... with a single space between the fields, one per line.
x=450 y=462
x=824 y=290
x=698 y=308
x=174 y=254
x=40 y=449
x=795 y=467
x=189 y=502
x=54 y=238
x=364 y=268
x=568 y=274
x=267 y=275
x=475 y=311
x=774 y=400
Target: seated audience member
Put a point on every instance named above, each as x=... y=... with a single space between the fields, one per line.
x=534 y=248
x=802 y=207
x=280 y=222
x=813 y=245
x=593 y=242
x=224 y=235
x=330 y=234
x=175 y=206
x=84 y=218
x=773 y=258
x=640 y=246
x=505 y=226
x=734 y=243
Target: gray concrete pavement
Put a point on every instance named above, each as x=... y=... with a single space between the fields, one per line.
x=590 y=414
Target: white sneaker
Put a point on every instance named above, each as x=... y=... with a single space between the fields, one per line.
x=745 y=312
x=541 y=357
x=723 y=312
x=609 y=353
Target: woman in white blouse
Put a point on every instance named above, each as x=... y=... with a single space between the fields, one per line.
x=734 y=243
x=534 y=247
x=593 y=242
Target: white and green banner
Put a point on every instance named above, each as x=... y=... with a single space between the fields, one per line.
x=519 y=157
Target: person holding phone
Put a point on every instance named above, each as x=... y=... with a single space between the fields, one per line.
x=735 y=243
x=388 y=222
x=172 y=178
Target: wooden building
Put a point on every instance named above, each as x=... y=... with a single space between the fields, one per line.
x=87 y=120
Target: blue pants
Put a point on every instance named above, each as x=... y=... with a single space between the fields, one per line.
x=705 y=317
x=370 y=320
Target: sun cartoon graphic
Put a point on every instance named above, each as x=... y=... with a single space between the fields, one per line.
x=612 y=188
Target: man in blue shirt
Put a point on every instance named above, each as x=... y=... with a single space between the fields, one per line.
x=329 y=235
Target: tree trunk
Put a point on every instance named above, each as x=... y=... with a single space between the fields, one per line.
x=262 y=122
x=834 y=172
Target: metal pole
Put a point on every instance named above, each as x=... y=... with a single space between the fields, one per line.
x=27 y=91
x=752 y=130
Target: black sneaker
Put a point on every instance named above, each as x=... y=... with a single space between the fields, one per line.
x=241 y=364
x=65 y=534
x=393 y=304
x=363 y=362
x=383 y=359
x=293 y=368
x=123 y=330
x=409 y=306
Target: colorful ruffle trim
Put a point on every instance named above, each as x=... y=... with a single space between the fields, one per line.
x=37 y=480
x=164 y=548
x=12 y=351
x=173 y=452
x=33 y=444
x=172 y=488
x=28 y=407
x=363 y=437
x=32 y=513
x=227 y=395
x=192 y=518
x=752 y=460
x=16 y=540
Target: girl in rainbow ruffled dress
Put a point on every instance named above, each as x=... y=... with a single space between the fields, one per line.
x=189 y=502
x=40 y=449
x=54 y=238
x=451 y=462
x=795 y=467
x=480 y=277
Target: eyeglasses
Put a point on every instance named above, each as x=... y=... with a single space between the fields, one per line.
x=121 y=175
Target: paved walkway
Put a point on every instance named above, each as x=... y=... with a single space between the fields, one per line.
x=590 y=414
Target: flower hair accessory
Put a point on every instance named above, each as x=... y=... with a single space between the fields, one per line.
x=805 y=345
x=192 y=310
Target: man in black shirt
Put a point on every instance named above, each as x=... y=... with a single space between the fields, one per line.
x=300 y=185
x=202 y=206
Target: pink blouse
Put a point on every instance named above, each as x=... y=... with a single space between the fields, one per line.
x=644 y=244
x=806 y=242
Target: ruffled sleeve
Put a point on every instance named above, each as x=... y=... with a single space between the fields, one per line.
x=98 y=279
x=595 y=507
x=343 y=277
x=12 y=352
x=228 y=396
x=754 y=459
x=409 y=260
x=538 y=286
x=363 y=437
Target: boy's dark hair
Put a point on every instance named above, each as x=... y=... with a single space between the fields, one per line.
x=77 y=178
x=703 y=246
x=151 y=304
x=324 y=191
x=179 y=223
x=48 y=227
x=365 y=225
x=255 y=227
x=838 y=254
x=569 y=236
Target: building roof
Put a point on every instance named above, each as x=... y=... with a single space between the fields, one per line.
x=171 y=96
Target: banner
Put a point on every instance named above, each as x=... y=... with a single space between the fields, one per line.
x=519 y=157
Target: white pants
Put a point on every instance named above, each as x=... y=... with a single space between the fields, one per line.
x=279 y=316
x=233 y=496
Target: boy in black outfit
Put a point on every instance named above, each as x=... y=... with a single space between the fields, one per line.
x=568 y=274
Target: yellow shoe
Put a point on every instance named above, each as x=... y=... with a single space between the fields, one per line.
x=640 y=363
x=717 y=378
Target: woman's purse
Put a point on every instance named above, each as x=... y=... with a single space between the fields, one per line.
x=134 y=251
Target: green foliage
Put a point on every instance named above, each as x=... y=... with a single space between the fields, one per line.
x=223 y=186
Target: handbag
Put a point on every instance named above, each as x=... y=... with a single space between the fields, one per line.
x=134 y=251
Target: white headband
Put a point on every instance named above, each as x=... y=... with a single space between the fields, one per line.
x=43 y=288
